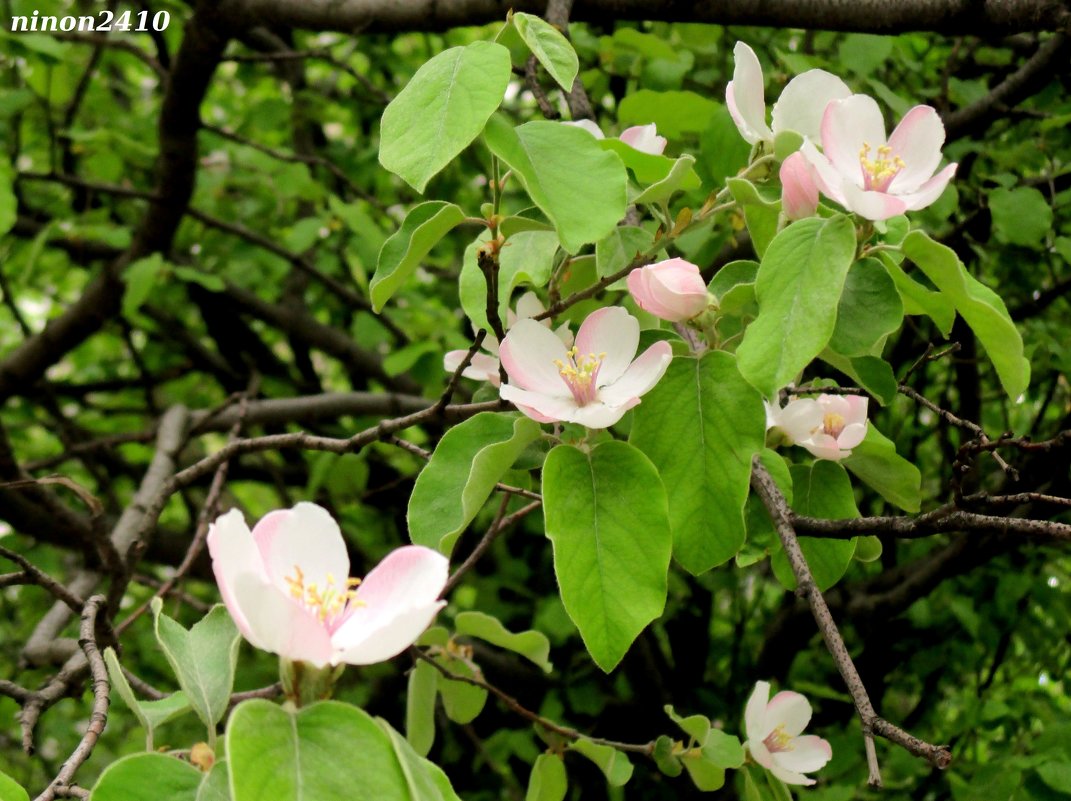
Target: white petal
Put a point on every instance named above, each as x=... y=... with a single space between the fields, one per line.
x=929 y=191
x=601 y=415
x=760 y=753
x=804 y=100
x=529 y=305
x=368 y=645
x=872 y=205
x=309 y=539
x=788 y=776
x=644 y=138
x=588 y=126
x=234 y=553
x=481 y=368
x=847 y=126
x=745 y=96
x=788 y=709
x=800 y=418
x=528 y=353
x=407 y=577
x=612 y=331
x=546 y=408
x=823 y=446
x=830 y=182
x=851 y=436
x=917 y=140
x=807 y=754
x=755 y=711
x=281 y=625
x=640 y=377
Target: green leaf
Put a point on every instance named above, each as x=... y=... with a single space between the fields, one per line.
x=870 y=308
x=761 y=215
x=607 y=518
x=533 y=645
x=674 y=112
x=723 y=152
x=547 y=781
x=461 y=474
x=148 y=777
x=426 y=780
x=614 y=764
x=618 y=250
x=1021 y=216
x=472 y=285
x=706 y=776
x=919 y=299
x=982 y=309
x=723 y=750
x=695 y=726
x=798 y=288
x=650 y=168
x=871 y=373
x=203 y=659
x=216 y=786
x=820 y=490
x=876 y=462
x=680 y=175
x=11 y=790
x=400 y=255
x=324 y=751
x=667 y=761
x=549 y=46
x=700 y=426
x=140 y=279
x=868 y=549
x=578 y=185
x=442 y=109
x=526 y=258
x=462 y=701
x=151 y=714
x=8 y=202
x=420 y=707
x=1057 y=775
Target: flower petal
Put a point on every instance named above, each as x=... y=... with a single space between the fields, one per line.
x=788 y=709
x=760 y=753
x=800 y=418
x=926 y=194
x=528 y=353
x=803 y=101
x=872 y=205
x=807 y=754
x=541 y=408
x=755 y=713
x=640 y=377
x=644 y=138
x=612 y=331
x=639 y=286
x=824 y=447
x=266 y=529
x=529 y=305
x=309 y=539
x=589 y=126
x=280 y=624
x=234 y=552
x=851 y=436
x=789 y=776
x=799 y=191
x=482 y=367
x=848 y=126
x=745 y=96
x=601 y=415
x=370 y=645
x=917 y=140
x=829 y=181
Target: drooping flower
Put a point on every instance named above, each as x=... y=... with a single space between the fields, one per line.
x=593 y=383
x=672 y=290
x=799 y=192
x=484 y=366
x=286 y=584
x=643 y=138
x=774 y=740
x=828 y=426
x=799 y=108
x=874 y=177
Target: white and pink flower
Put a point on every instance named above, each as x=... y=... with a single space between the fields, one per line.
x=286 y=584
x=799 y=192
x=799 y=108
x=774 y=727
x=874 y=177
x=828 y=426
x=643 y=138
x=593 y=383
x=672 y=290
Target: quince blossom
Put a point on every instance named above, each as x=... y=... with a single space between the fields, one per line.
x=773 y=735
x=672 y=290
x=874 y=177
x=286 y=584
x=799 y=108
x=593 y=383
x=828 y=426
x=799 y=192
x=484 y=366
x=643 y=138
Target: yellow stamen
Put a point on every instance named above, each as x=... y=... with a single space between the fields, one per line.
x=879 y=173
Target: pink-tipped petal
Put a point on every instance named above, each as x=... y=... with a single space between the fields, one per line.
x=601 y=415
x=809 y=753
x=671 y=290
x=745 y=96
x=799 y=192
x=918 y=140
x=804 y=100
x=529 y=353
x=755 y=712
x=788 y=709
x=234 y=553
x=265 y=530
x=872 y=205
x=823 y=446
x=644 y=138
x=309 y=540
x=280 y=624
x=788 y=776
x=481 y=368
x=639 y=286
x=541 y=408
x=848 y=126
x=857 y=407
x=928 y=193
x=377 y=644
x=825 y=175
x=612 y=331
x=640 y=377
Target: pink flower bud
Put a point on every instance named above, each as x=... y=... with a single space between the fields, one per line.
x=799 y=192
x=672 y=289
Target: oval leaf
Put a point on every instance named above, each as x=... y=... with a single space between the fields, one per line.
x=533 y=645
x=424 y=226
x=550 y=48
x=548 y=781
x=148 y=777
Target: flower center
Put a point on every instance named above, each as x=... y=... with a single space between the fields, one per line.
x=879 y=173
x=778 y=740
x=324 y=603
x=833 y=424
x=580 y=373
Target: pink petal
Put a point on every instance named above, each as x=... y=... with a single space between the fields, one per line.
x=639 y=286
x=788 y=709
x=824 y=447
x=872 y=205
x=540 y=407
x=857 y=407
x=481 y=368
x=644 y=138
x=808 y=754
x=671 y=290
x=917 y=140
x=825 y=175
x=234 y=553
x=528 y=353
x=266 y=529
x=640 y=377
x=612 y=331
x=308 y=539
x=799 y=192
x=804 y=100
x=281 y=625
x=745 y=98
x=755 y=713
x=370 y=645
x=926 y=194
x=847 y=126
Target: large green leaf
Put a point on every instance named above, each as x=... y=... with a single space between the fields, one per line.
x=8 y=202
x=652 y=168
x=700 y=426
x=919 y=299
x=426 y=780
x=798 y=287
x=149 y=777
x=870 y=308
x=549 y=46
x=442 y=109
x=420 y=707
x=533 y=645
x=526 y=258
x=876 y=462
x=761 y=214
x=203 y=659
x=982 y=308
x=324 y=751
x=548 y=781
x=822 y=490
x=607 y=517
x=151 y=714
x=681 y=176
x=470 y=459
x=422 y=229
x=11 y=790
x=617 y=250
x=674 y=112
x=576 y=183
x=1021 y=216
